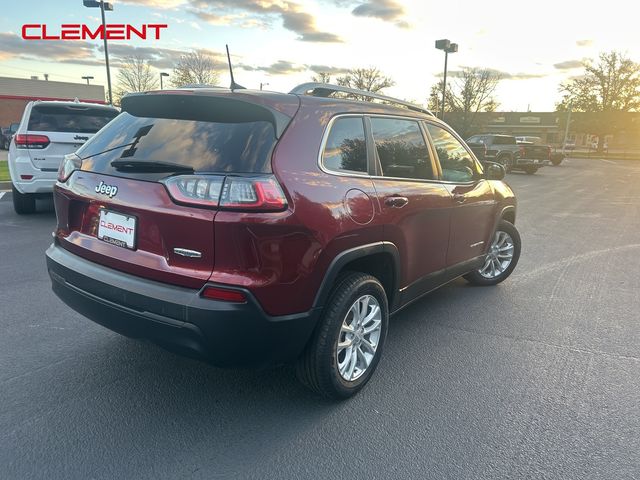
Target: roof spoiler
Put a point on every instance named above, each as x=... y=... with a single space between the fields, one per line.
x=184 y=105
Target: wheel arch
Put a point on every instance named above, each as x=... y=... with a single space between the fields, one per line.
x=509 y=214
x=380 y=259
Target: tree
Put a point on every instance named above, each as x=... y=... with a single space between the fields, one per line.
x=321 y=77
x=610 y=85
x=195 y=67
x=472 y=92
x=368 y=79
x=134 y=75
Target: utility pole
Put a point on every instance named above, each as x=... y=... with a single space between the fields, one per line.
x=106 y=51
x=566 y=128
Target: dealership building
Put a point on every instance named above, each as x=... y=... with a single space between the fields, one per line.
x=550 y=127
x=15 y=93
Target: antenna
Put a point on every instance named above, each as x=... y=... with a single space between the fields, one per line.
x=234 y=85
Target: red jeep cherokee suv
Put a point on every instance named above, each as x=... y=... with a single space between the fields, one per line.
x=248 y=228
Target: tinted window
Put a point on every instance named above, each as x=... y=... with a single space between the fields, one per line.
x=346 y=148
x=504 y=140
x=81 y=119
x=457 y=164
x=241 y=147
x=401 y=148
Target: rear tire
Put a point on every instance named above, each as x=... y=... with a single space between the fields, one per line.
x=23 y=203
x=556 y=161
x=506 y=234
x=355 y=319
x=531 y=170
x=5 y=145
x=507 y=162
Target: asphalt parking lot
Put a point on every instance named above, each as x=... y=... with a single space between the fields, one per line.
x=536 y=378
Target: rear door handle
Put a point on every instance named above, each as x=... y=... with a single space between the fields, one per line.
x=459 y=197
x=396 y=202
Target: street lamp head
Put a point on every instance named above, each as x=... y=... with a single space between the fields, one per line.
x=453 y=48
x=443 y=44
x=94 y=4
x=163 y=74
x=87 y=77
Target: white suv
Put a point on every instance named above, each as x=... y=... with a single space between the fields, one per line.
x=48 y=131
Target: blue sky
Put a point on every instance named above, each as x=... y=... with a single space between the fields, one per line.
x=536 y=45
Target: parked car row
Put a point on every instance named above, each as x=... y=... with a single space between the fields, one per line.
x=199 y=219
x=524 y=153
x=6 y=134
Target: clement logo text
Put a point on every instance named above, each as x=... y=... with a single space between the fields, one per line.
x=80 y=31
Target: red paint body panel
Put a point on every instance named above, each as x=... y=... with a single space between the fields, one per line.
x=282 y=258
x=161 y=226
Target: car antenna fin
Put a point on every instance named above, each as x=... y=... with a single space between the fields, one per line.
x=234 y=85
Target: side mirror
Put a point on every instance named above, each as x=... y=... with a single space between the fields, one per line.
x=494 y=171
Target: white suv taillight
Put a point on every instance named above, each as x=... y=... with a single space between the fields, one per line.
x=70 y=163
x=28 y=140
x=233 y=193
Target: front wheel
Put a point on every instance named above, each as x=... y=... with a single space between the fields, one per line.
x=347 y=345
x=502 y=258
x=531 y=170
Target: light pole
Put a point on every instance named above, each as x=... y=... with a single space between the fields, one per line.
x=566 y=128
x=87 y=78
x=108 y=7
x=263 y=85
x=162 y=74
x=448 y=48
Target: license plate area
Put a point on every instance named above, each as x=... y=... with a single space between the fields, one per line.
x=117 y=229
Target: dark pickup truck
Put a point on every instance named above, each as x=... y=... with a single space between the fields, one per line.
x=504 y=149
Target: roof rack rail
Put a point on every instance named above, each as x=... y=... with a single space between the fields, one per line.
x=326 y=89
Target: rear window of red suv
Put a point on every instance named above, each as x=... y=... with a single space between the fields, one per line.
x=205 y=146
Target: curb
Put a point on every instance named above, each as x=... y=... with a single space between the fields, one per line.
x=5 y=185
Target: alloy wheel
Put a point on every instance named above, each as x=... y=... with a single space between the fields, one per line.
x=499 y=257
x=359 y=337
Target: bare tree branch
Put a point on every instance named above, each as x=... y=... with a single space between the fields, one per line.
x=368 y=79
x=135 y=75
x=195 y=68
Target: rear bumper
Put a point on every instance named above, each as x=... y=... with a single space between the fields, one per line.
x=526 y=162
x=176 y=318
x=41 y=181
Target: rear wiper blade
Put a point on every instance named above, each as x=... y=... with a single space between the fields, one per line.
x=145 y=166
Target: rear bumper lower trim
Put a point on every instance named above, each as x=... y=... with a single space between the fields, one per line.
x=177 y=318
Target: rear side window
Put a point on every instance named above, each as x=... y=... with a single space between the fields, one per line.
x=504 y=140
x=235 y=147
x=346 y=147
x=401 y=148
x=72 y=119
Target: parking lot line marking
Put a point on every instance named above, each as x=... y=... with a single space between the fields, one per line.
x=609 y=161
x=2 y=195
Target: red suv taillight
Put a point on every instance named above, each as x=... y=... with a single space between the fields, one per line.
x=31 y=141
x=234 y=193
x=70 y=163
x=549 y=148
x=522 y=151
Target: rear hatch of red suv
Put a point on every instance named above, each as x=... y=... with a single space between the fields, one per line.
x=142 y=195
